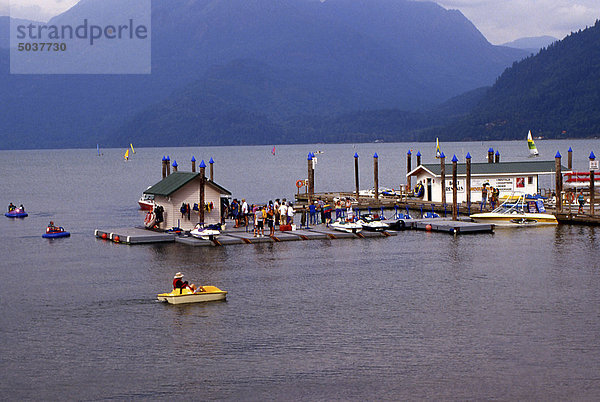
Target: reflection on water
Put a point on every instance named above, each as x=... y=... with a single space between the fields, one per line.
x=509 y=315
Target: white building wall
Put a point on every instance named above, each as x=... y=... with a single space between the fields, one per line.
x=189 y=194
x=527 y=184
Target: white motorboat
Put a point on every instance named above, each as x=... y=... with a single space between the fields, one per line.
x=203 y=232
x=368 y=222
x=517 y=211
x=344 y=226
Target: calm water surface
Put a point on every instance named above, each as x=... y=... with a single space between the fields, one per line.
x=511 y=315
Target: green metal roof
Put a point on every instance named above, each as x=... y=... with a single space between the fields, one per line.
x=529 y=167
x=175 y=181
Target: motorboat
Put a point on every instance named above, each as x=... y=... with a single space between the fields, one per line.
x=16 y=213
x=345 y=226
x=370 y=223
x=55 y=232
x=206 y=232
x=187 y=295
x=517 y=211
x=146 y=202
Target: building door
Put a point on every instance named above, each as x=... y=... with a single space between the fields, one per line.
x=428 y=196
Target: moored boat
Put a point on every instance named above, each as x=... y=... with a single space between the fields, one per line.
x=186 y=295
x=209 y=232
x=344 y=226
x=516 y=211
x=146 y=202
x=370 y=223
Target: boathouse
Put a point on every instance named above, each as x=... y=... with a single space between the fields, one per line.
x=184 y=189
x=507 y=177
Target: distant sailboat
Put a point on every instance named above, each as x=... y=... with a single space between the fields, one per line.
x=273 y=150
x=438 y=152
x=126 y=156
x=132 y=150
x=98 y=149
x=532 y=148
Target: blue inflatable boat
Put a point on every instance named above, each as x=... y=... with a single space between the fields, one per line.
x=16 y=213
x=61 y=232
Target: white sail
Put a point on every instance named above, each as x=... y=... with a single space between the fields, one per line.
x=532 y=148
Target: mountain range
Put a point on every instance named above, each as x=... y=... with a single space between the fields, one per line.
x=241 y=70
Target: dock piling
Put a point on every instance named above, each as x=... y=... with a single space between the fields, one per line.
x=418 y=158
x=164 y=167
x=193 y=164
x=497 y=160
x=468 y=184
x=490 y=155
x=570 y=159
x=376 y=174
x=454 y=188
x=408 y=169
x=211 y=162
x=558 y=172
x=443 y=178
x=174 y=165
x=201 y=192
x=356 y=173
x=168 y=162
x=592 y=186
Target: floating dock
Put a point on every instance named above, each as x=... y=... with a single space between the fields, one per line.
x=139 y=235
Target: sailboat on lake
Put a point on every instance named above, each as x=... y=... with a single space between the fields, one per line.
x=126 y=156
x=438 y=151
x=532 y=148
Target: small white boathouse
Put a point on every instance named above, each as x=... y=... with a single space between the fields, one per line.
x=184 y=189
x=507 y=177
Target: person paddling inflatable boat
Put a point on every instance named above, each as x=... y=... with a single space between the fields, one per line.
x=55 y=231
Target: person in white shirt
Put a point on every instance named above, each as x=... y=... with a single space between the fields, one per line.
x=245 y=211
x=290 y=214
x=283 y=213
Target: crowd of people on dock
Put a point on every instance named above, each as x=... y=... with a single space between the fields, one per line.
x=282 y=212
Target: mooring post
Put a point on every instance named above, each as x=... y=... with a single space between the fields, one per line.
x=376 y=175
x=468 y=183
x=557 y=169
x=168 y=161
x=193 y=164
x=443 y=174
x=491 y=155
x=497 y=157
x=309 y=166
x=164 y=167
x=356 y=173
x=408 y=169
x=592 y=186
x=418 y=158
x=174 y=165
x=570 y=159
x=454 y=189
x=211 y=171
x=201 y=195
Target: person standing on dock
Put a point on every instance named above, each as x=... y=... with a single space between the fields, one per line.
x=327 y=213
x=245 y=212
x=581 y=201
x=282 y=213
x=270 y=218
x=290 y=214
x=276 y=206
x=483 y=196
x=312 y=210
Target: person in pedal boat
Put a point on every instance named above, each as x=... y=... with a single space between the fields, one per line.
x=178 y=283
x=51 y=228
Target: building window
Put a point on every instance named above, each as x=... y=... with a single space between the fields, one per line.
x=530 y=180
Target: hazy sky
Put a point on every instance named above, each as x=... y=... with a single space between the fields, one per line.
x=499 y=20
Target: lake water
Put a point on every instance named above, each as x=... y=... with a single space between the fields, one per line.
x=510 y=315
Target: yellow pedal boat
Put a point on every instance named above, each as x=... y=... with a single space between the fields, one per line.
x=202 y=294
